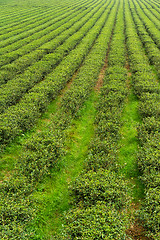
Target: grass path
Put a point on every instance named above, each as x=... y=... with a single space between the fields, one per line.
x=13 y=150
x=52 y=194
x=129 y=146
x=128 y=159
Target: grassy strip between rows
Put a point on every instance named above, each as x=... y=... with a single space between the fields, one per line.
x=129 y=146
x=15 y=89
x=45 y=91
x=45 y=148
x=11 y=152
x=14 y=149
x=147 y=90
x=53 y=195
x=99 y=193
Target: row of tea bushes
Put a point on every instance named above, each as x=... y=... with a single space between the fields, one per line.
x=147 y=90
x=73 y=99
x=11 y=35
x=148 y=11
x=24 y=114
x=12 y=18
x=44 y=149
x=152 y=8
x=17 y=18
x=40 y=20
x=13 y=90
x=13 y=43
x=151 y=48
x=27 y=45
x=152 y=27
x=17 y=61
x=100 y=194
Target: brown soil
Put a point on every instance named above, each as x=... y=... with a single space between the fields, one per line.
x=137 y=232
x=38 y=131
x=129 y=74
x=46 y=120
x=6 y=175
x=127 y=65
x=68 y=177
x=128 y=82
x=68 y=85
x=101 y=75
x=99 y=83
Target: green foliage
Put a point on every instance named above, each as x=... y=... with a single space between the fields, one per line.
x=102 y=185
x=148 y=34
x=15 y=89
x=150 y=212
x=149 y=160
x=39 y=40
x=97 y=192
x=16 y=208
x=96 y=222
x=147 y=89
x=150 y=105
x=44 y=149
x=147 y=128
x=25 y=113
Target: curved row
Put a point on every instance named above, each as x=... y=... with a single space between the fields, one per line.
x=42 y=46
x=147 y=90
x=44 y=149
x=149 y=25
x=149 y=14
x=16 y=88
x=155 y=4
x=26 y=29
x=24 y=115
x=28 y=38
x=151 y=48
x=36 y=24
x=154 y=10
x=18 y=15
x=21 y=16
x=99 y=190
x=14 y=24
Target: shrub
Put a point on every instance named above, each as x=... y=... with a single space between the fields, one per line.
x=96 y=222
x=103 y=185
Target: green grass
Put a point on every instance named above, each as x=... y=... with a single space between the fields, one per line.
x=13 y=150
x=52 y=194
x=129 y=147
